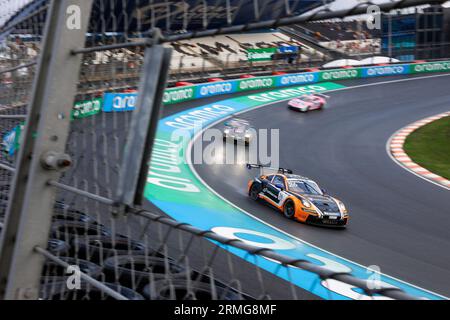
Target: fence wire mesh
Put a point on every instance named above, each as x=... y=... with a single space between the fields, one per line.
x=138 y=254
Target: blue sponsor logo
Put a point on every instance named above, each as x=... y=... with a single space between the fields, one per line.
x=118 y=102
x=215 y=88
x=288 y=49
x=296 y=79
x=385 y=70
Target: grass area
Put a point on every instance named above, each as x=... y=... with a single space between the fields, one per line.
x=429 y=147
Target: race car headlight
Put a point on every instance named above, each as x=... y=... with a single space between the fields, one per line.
x=342 y=207
x=306 y=203
x=226 y=131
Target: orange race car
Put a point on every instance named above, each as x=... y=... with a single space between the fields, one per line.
x=297 y=197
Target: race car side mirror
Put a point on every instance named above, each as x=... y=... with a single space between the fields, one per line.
x=324 y=191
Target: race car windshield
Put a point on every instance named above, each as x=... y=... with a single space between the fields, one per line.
x=303 y=187
x=237 y=123
x=307 y=98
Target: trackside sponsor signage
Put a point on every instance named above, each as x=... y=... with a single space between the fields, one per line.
x=385 y=70
x=83 y=109
x=118 y=102
x=256 y=83
x=296 y=78
x=339 y=74
x=215 y=88
x=176 y=189
x=430 y=67
x=288 y=49
x=114 y=102
x=176 y=95
x=260 y=54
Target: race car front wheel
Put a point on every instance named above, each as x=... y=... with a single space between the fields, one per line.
x=254 y=191
x=289 y=209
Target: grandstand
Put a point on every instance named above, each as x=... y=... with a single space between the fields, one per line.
x=230 y=51
x=337 y=39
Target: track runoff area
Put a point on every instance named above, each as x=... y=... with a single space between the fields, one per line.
x=343 y=148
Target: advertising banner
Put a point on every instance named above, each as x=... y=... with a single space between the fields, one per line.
x=339 y=74
x=118 y=102
x=260 y=54
x=179 y=94
x=385 y=70
x=215 y=88
x=83 y=109
x=439 y=66
x=255 y=83
x=288 y=49
x=296 y=79
x=114 y=102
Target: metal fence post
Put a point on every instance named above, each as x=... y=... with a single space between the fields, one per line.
x=135 y=165
x=31 y=200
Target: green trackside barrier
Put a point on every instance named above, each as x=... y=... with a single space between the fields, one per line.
x=203 y=90
x=256 y=83
x=339 y=74
x=181 y=94
x=439 y=66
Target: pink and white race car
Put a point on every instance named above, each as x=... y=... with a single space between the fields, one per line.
x=308 y=102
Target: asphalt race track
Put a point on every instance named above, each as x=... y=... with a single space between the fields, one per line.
x=399 y=222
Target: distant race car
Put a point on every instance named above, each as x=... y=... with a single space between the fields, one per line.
x=297 y=197
x=308 y=102
x=238 y=129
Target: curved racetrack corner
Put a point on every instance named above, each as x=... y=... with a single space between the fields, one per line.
x=398 y=222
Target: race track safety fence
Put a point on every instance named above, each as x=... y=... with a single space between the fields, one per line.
x=78 y=217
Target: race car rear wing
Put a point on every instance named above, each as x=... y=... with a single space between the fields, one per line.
x=261 y=166
x=322 y=95
x=316 y=94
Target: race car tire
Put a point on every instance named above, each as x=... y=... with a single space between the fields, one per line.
x=255 y=189
x=289 y=209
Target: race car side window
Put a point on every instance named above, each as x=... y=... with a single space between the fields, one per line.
x=279 y=181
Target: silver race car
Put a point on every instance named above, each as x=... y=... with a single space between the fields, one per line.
x=237 y=129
